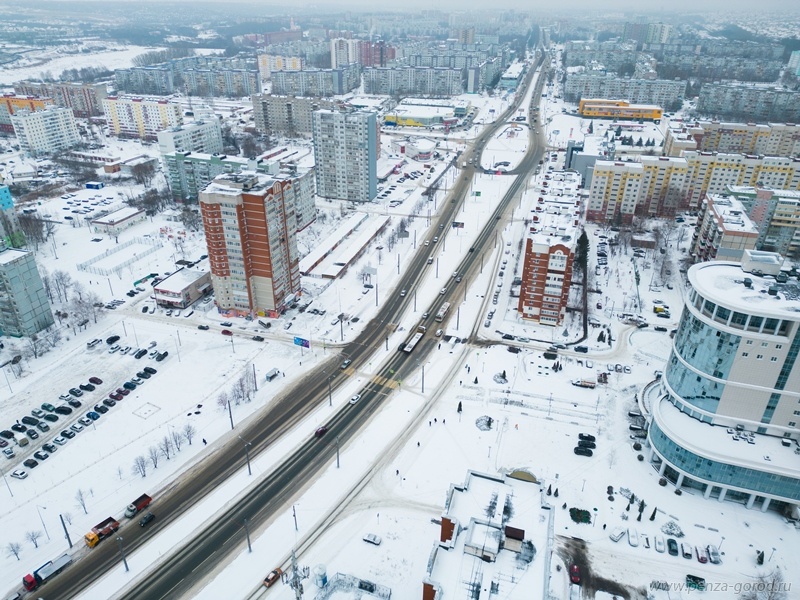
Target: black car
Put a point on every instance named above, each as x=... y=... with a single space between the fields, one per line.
x=672 y=547
x=129 y=385
x=19 y=428
x=226 y=324
x=50 y=447
x=162 y=356
x=30 y=463
x=582 y=451
x=87 y=387
x=144 y=309
x=30 y=420
x=63 y=410
x=74 y=403
x=583 y=349
x=100 y=408
x=9 y=435
x=508 y=336
x=51 y=417
x=75 y=392
x=146 y=519
x=203 y=327
x=258 y=338
x=140 y=353
x=32 y=434
x=143 y=375
x=586 y=444
x=150 y=370
x=112 y=339
x=109 y=402
x=68 y=433
x=587 y=436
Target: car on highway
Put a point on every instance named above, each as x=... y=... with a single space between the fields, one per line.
x=226 y=332
x=148 y=518
x=355 y=398
x=273 y=577
x=347 y=362
x=226 y=324
x=575 y=574
x=320 y=431
x=203 y=327
x=257 y=338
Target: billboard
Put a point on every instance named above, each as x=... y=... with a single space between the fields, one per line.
x=298 y=341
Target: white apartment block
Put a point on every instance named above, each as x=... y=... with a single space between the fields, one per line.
x=290 y=115
x=344 y=52
x=345 y=153
x=269 y=63
x=139 y=117
x=200 y=136
x=770 y=139
x=661 y=92
x=614 y=193
x=45 y=132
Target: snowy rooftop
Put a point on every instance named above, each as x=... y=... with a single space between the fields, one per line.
x=234 y=183
x=423 y=111
x=514 y=69
x=451 y=103
x=8 y=255
x=747 y=189
x=354 y=235
x=717 y=443
x=179 y=280
x=118 y=215
x=730 y=214
x=725 y=280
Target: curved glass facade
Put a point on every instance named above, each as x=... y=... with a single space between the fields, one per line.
x=723 y=474
x=694 y=389
x=705 y=347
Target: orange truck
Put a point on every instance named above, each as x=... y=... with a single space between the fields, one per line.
x=100 y=531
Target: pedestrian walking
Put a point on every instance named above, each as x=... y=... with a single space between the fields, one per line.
x=434 y=419
x=442 y=421
x=204 y=441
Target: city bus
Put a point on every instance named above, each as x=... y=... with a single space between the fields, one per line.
x=442 y=312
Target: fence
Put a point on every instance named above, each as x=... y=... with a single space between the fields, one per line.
x=87 y=266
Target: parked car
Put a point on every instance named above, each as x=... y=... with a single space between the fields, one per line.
x=140 y=354
x=586 y=436
x=371 y=538
x=30 y=420
x=8 y=452
x=50 y=447
x=63 y=410
x=43 y=427
x=150 y=370
x=51 y=417
x=95 y=380
x=109 y=402
x=30 y=463
x=128 y=385
x=258 y=338
x=48 y=407
x=19 y=428
x=137 y=381
x=115 y=396
x=575 y=574
x=87 y=387
x=67 y=433
x=93 y=416
x=99 y=408
x=582 y=451
x=123 y=391
x=143 y=375
x=75 y=392
x=7 y=434
x=162 y=356
x=37 y=413
x=32 y=434
x=39 y=455
x=20 y=473
x=74 y=403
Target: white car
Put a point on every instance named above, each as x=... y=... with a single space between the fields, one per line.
x=76 y=427
x=60 y=440
x=114 y=348
x=19 y=474
x=371 y=538
x=355 y=398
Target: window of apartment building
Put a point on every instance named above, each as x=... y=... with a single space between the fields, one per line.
x=773 y=359
x=759 y=356
x=745 y=354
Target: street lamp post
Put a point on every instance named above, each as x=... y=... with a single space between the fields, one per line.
x=42 y=520
x=122 y=552
x=247 y=454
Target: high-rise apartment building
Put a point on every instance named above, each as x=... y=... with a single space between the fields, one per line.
x=269 y=63
x=85 y=99
x=289 y=115
x=11 y=103
x=317 y=82
x=143 y=118
x=199 y=136
x=741 y=101
x=252 y=246
x=549 y=250
x=663 y=188
x=776 y=215
x=45 y=132
x=724 y=231
x=346 y=153
x=614 y=192
x=410 y=80
x=666 y=93
x=344 y=51
x=24 y=309
x=723 y=419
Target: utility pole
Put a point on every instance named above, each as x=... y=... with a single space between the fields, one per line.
x=230 y=413
x=122 y=552
x=296 y=576
x=66 y=533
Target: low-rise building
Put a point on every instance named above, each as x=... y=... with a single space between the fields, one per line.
x=119 y=220
x=597 y=108
x=182 y=288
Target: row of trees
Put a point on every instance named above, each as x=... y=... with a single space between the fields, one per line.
x=169 y=445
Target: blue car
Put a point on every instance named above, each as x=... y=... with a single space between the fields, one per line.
x=93 y=415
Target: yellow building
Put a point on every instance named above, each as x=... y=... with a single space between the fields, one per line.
x=267 y=63
x=597 y=108
x=11 y=103
x=143 y=118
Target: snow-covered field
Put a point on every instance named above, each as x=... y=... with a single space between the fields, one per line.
x=537 y=415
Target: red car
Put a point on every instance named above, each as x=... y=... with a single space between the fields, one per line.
x=123 y=391
x=320 y=432
x=226 y=332
x=115 y=396
x=575 y=574
x=273 y=578
x=95 y=380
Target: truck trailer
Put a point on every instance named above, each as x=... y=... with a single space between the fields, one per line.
x=45 y=572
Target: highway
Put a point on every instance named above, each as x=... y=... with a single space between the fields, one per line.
x=176 y=574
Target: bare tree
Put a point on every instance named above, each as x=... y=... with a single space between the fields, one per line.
x=140 y=465
x=189 y=432
x=154 y=455
x=222 y=400
x=62 y=281
x=176 y=437
x=46 y=282
x=33 y=537
x=14 y=548
x=767 y=586
x=67 y=517
x=191 y=219
x=166 y=447
x=143 y=173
